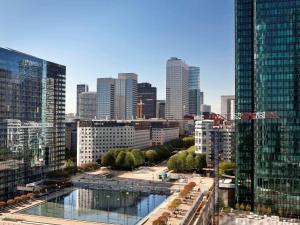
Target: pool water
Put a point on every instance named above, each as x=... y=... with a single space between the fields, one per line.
x=115 y=207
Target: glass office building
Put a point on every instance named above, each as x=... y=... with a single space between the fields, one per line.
x=32 y=114
x=268 y=81
x=195 y=95
x=147 y=94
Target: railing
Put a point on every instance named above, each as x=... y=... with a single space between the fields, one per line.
x=192 y=211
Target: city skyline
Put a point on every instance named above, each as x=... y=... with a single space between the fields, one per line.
x=114 y=37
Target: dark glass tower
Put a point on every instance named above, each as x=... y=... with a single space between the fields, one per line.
x=268 y=80
x=147 y=94
x=32 y=114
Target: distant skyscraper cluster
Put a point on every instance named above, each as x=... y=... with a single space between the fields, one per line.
x=123 y=98
x=117 y=98
x=183 y=94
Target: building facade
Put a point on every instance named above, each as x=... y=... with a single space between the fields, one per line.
x=32 y=114
x=87 y=105
x=195 y=98
x=96 y=137
x=267 y=81
x=228 y=106
x=105 y=98
x=126 y=96
x=160 y=109
x=80 y=88
x=210 y=139
x=147 y=96
x=205 y=109
x=163 y=135
x=177 y=101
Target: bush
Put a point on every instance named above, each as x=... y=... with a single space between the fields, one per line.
x=237 y=206
x=108 y=159
x=188 y=142
x=248 y=207
x=225 y=167
x=242 y=207
x=184 y=161
x=89 y=166
x=151 y=156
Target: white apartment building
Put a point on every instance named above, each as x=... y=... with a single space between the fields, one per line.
x=210 y=138
x=96 y=137
x=203 y=130
x=163 y=135
x=177 y=95
x=142 y=138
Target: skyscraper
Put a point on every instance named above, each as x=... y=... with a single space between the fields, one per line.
x=87 y=105
x=126 y=96
x=80 y=88
x=160 y=109
x=105 y=98
x=177 y=103
x=227 y=106
x=195 y=98
x=32 y=115
x=147 y=94
x=268 y=83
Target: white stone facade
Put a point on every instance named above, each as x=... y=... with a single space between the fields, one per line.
x=163 y=135
x=92 y=142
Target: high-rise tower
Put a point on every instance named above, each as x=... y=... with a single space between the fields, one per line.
x=268 y=81
x=177 y=102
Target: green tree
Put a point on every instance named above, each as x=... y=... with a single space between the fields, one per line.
x=200 y=161
x=191 y=149
x=139 y=158
x=188 y=142
x=181 y=162
x=248 y=207
x=151 y=156
x=237 y=206
x=129 y=161
x=108 y=159
x=120 y=160
x=173 y=163
x=190 y=163
x=242 y=207
x=280 y=212
x=225 y=167
x=69 y=163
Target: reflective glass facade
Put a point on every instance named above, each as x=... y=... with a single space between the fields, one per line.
x=195 y=98
x=147 y=94
x=268 y=80
x=32 y=113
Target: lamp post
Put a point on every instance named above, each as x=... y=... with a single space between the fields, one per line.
x=107 y=196
x=127 y=193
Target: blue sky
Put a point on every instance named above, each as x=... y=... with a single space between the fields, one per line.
x=100 y=38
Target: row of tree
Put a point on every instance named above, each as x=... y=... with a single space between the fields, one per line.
x=129 y=159
x=187 y=161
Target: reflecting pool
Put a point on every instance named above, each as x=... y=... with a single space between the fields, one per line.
x=116 y=207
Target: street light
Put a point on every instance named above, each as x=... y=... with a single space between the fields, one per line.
x=107 y=196
x=125 y=206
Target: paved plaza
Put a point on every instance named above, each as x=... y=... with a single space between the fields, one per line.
x=144 y=179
